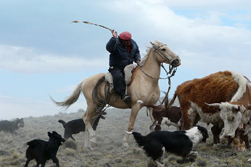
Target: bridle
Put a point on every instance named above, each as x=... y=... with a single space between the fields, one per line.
x=172 y=69
x=162 y=55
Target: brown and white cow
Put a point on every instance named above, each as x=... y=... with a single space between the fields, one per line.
x=221 y=99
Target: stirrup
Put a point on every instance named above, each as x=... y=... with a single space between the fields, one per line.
x=126 y=98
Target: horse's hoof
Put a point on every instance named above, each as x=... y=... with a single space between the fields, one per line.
x=93 y=144
x=126 y=145
x=89 y=148
x=243 y=149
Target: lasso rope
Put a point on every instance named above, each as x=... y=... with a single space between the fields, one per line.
x=102 y=104
x=86 y=22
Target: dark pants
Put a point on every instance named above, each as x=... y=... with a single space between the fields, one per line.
x=118 y=80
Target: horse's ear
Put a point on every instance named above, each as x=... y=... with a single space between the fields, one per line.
x=152 y=43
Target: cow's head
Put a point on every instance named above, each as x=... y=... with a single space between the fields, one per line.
x=231 y=115
x=249 y=106
x=247 y=116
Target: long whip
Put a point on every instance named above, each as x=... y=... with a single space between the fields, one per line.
x=86 y=22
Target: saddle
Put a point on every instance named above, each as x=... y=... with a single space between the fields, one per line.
x=129 y=71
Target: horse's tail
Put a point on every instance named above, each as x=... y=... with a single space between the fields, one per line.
x=172 y=101
x=72 y=98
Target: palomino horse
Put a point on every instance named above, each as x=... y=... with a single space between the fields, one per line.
x=144 y=87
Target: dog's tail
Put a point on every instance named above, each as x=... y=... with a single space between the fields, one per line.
x=34 y=143
x=62 y=122
x=139 y=138
x=72 y=138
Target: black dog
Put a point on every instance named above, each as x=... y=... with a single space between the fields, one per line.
x=11 y=126
x=181 y=143
x=77 y=125
x=42 y=151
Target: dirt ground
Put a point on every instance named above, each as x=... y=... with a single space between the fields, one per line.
x=109 y=152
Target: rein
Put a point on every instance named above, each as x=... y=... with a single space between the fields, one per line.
x=171 y=70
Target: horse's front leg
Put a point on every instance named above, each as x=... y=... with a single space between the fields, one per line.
x=134 y=113
x=90 y=137
x=87 y=143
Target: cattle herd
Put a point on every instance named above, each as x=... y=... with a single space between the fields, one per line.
x=222 y=99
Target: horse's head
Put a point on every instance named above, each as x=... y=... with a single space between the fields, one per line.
x=165 y=55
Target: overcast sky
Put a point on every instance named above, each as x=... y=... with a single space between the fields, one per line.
x=42 y=54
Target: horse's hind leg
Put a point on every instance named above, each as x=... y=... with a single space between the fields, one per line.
x=90 y=135
x=150 y=109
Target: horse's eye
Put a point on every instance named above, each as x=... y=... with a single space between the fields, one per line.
x=163 y=49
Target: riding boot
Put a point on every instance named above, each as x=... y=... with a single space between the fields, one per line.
x=126 y=98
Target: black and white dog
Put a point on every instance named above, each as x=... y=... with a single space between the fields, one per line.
x=181 y=143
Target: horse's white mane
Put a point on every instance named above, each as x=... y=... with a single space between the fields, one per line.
x=149 y=48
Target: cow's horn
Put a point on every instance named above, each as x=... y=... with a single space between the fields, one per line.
x=213 y=104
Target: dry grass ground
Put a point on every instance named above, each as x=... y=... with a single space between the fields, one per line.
x=109 y=152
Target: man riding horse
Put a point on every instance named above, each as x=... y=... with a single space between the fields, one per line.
x=145 y=87
x=123 y=51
